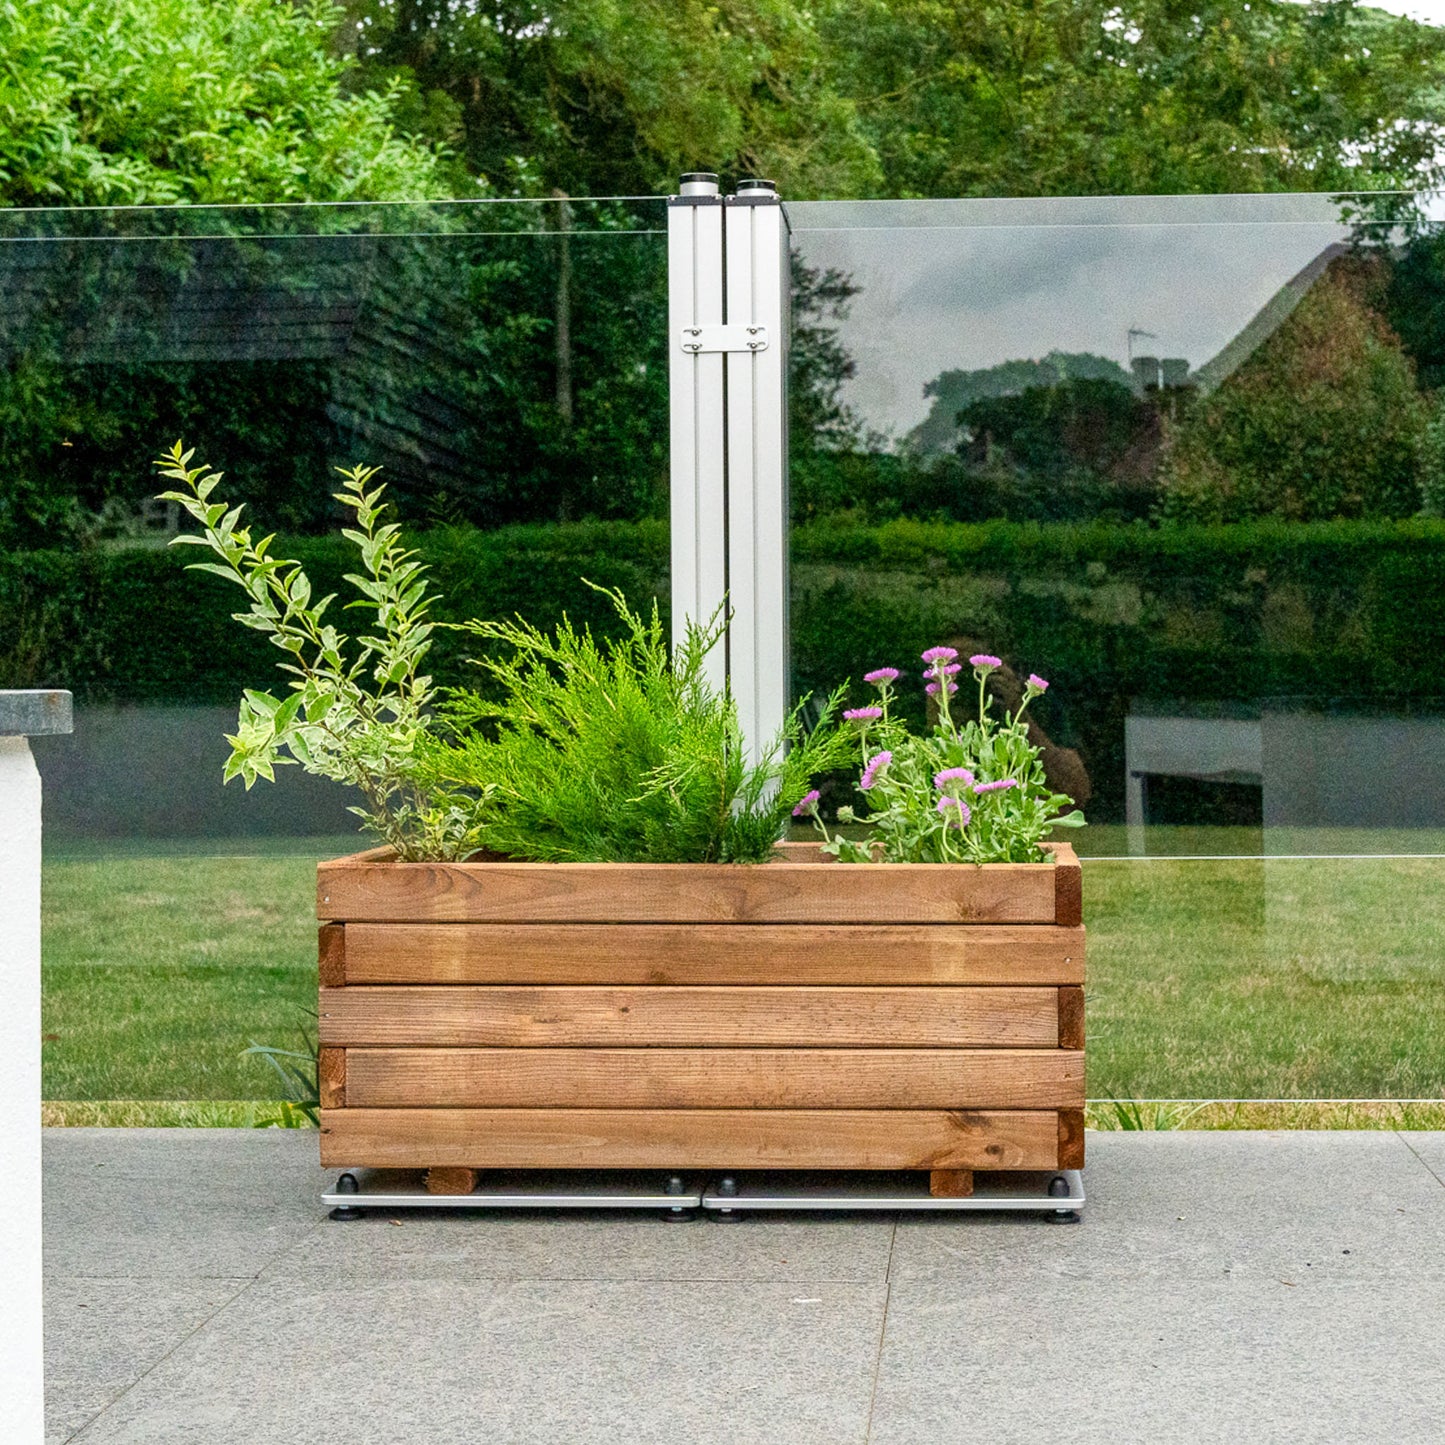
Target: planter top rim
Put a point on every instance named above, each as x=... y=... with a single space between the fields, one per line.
x=384 y=858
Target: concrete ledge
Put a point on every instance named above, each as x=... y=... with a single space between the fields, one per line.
x=32 y=714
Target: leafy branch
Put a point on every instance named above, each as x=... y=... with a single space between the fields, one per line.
x=357 y=719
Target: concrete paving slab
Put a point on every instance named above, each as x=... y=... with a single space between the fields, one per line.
x=1429 y=1149
x=102 y=1335
x=540 y=1361
x=266 y=1164
x=237 y=1313
x=1098 y=1362
x=177 y=1203
x=1210 y=1205
x=592 y=1245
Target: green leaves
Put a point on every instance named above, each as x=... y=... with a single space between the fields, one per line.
x=155 y=102
x=330 y=722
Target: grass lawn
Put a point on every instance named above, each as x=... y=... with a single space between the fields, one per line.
x=1245 y=978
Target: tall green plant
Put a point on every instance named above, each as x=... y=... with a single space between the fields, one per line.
x=613 y=751
x=356 y=711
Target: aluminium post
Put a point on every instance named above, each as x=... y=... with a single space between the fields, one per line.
x=758 y=304
x=696 y=412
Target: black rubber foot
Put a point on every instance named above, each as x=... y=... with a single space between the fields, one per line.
x=344 y=1213
x=679 y=1216
x=1065 y=1216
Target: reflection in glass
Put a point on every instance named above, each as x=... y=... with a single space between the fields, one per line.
x=500 y=361
x=1204 y=435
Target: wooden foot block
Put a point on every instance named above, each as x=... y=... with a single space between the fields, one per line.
x=451 y=1181
x=950 y=1183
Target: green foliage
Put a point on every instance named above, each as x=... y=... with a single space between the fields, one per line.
x=1322 y=421
x=1108 y=613
x=619 y=99
x=88 y=619
x=954 y=391
x=146 y=102
x=1432 y=461
x=358 y=721
x=1086 y=425
x=969 y=791
x=299 y=1106
x=918 y=97
x=610 y=751
x=1075 y=97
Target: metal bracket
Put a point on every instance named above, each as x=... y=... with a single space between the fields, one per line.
x=697 y=340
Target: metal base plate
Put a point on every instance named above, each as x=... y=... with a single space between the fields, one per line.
x=531 y=1189
x=727 y=1195
x=1027 y=1192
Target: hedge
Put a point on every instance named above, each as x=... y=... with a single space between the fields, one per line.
x=1111 y=614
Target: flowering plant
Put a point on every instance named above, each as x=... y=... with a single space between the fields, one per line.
x=969 y=791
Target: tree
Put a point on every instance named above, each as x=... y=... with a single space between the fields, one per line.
x=618 y=97
x=952 y=391
x=1067 y=97
x=1322 y=421
x=143 y=102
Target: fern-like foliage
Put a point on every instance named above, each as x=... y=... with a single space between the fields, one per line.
x=614 y=751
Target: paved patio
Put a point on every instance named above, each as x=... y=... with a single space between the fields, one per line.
x=1223 y=1287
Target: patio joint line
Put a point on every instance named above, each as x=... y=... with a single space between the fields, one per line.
x=161 y=1359
x=882 y=1333
x=1399 y=1134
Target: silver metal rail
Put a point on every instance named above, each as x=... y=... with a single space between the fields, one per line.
x=1054 y=1194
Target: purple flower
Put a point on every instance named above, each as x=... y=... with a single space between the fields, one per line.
x=876 y=764
x=985 y=659
x=932 y=688
x=949 y=775
x=862 y=714
x=807 y=804
x=949 y=670
x=1039 y=684
x=1000 y=786
x=961 y=813
x=881 y=676
x=940 y=654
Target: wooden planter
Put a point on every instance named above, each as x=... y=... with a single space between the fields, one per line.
x=796 y=1014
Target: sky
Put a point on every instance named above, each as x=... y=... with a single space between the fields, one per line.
x=1432 y=12
x=948 y=285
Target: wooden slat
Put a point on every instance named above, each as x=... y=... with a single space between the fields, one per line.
x=702 y=953
x=331 y=1078
x=1071 y=1018
x=331 y=954
x=381 y=892
x=794 y=1017
x=665 y=1078
x=691 y=1138
x=1071 y=1139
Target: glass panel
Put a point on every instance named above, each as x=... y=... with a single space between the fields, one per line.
x=501 y=361
x=1185 y=457
x=1198 y=434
